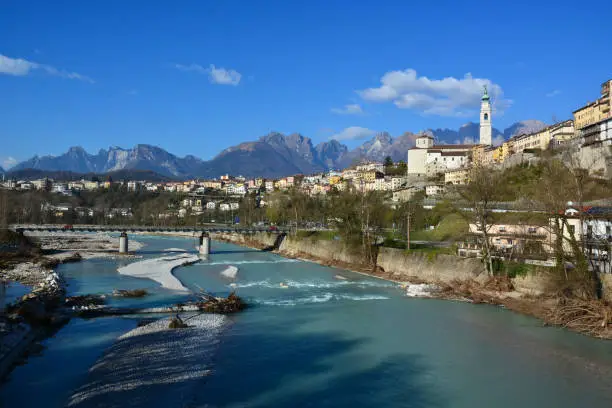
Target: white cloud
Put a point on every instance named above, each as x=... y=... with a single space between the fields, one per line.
x=22 y=67
x=216 y=75
x=443 y=97
x=353 y=133
x=553 y=93
x=8 y=162
x=353 y=109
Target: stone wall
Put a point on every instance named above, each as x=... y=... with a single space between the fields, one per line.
x=533 y=283
x=428 y=267
x=260 y=240
x=323 y=250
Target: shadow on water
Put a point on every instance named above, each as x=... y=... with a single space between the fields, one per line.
x=281 y=368
x=243 y=251
x=286 y=368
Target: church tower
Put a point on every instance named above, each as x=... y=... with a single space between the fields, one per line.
x=485 y=119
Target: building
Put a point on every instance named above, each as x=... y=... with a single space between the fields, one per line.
x=485 y=119
x=380 y=167
x=594 y=112
x=434 y=190
x=429 y=159
x=457 y=176
x=599 y=133
x=562 y=132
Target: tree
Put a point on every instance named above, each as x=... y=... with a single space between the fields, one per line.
x=485 y=187
x=388 y=161
x=562 y=182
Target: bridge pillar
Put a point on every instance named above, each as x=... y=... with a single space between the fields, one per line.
x=123 y=243
x=204 y=244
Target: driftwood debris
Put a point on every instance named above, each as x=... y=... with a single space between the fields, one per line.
x=232 y=303
x=127 y=293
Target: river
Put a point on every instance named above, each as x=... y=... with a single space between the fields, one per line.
x=313 y=339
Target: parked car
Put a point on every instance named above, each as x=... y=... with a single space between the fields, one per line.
x=67 y=227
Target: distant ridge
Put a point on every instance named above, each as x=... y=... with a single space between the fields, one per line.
x=272 y=155
x=128 y=175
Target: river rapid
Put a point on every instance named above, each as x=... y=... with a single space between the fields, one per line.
x=314 y=336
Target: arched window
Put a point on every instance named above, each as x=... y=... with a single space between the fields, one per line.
x=486 y=116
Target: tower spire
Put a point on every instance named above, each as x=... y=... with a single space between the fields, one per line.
x=485 y=118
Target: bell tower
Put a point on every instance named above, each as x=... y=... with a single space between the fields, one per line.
x=485 y=119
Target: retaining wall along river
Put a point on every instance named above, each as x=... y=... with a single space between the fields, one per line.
x=396 y=262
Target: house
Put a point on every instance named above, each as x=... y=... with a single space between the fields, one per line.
x=211 y=205
x=434 y=190
x=224 y=207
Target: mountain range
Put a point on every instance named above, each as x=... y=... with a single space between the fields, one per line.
x=272 y=155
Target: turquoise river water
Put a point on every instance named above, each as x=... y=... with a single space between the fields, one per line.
x=328 y=342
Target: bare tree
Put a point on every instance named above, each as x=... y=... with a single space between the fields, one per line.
x=485 y=187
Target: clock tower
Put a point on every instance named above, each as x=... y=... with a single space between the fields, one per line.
x=485 y=119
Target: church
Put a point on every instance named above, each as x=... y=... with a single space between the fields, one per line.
x=428 y=159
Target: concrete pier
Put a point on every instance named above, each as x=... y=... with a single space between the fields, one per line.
x=123 y=243
x=204 y=244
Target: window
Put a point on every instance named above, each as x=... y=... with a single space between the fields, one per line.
x=532 y=230
x=502 y=229
x=486 y=116
x=608 y=230
x=571 y=229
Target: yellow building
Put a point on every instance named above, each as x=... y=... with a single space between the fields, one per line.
x=458 y=176
x=334 y=180
x=217 y=185
x=370 y=176
x=587 y=115
x=506 y=151
x=497 y=154
x=478 y=152
x=597 y=111
x=605 y=100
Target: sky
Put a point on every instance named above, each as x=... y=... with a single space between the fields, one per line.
x=195 y=77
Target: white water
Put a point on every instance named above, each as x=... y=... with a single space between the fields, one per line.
x=153 y=365
x=252 y=262
x=230 y=272
x=314 y=284
x=319 y=298
x=160 y=270
x=421 y=290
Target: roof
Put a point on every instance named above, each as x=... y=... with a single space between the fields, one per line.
x=453 y=146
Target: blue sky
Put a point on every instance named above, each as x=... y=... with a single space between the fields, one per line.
x=195 y=77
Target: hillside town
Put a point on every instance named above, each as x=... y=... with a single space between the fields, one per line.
x=430 y=167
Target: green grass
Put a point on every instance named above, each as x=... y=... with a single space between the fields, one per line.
x=451 y=228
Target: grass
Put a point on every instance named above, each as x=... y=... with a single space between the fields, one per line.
x=451 y=228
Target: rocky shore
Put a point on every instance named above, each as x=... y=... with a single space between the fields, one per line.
x=29 y=318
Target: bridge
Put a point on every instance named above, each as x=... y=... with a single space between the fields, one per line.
x=203 y=231
x=143 y=229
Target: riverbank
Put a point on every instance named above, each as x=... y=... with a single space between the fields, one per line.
x=458 y=279
x=29 y=318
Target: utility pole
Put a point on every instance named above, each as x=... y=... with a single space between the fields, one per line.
x=408 y=231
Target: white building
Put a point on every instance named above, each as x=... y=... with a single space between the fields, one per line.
x=485 y=119
x=429 y=159
x=434 y=190
x=380 y=167
x=224 y=207
x=211 y=205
